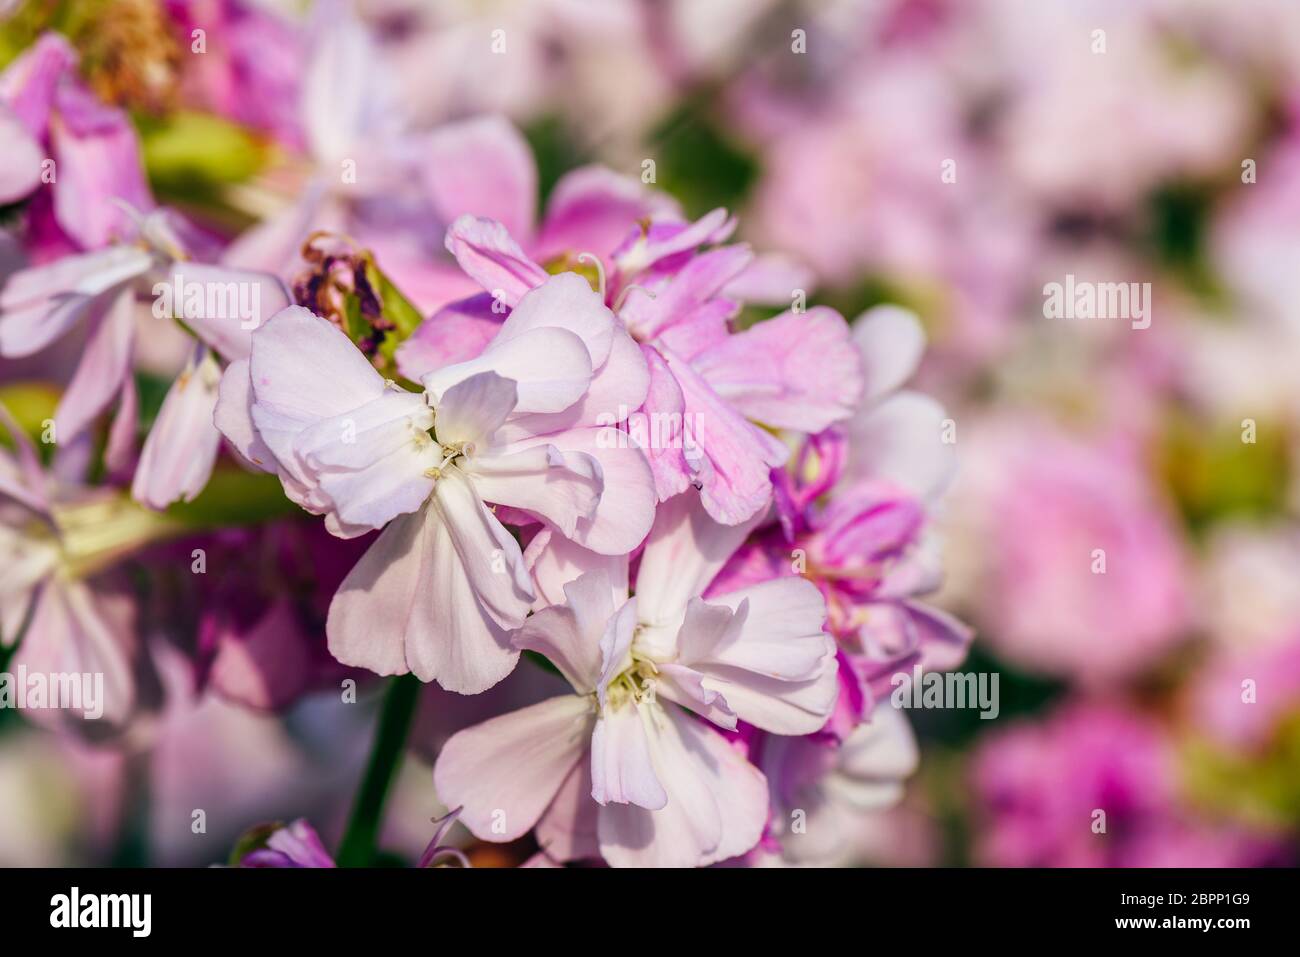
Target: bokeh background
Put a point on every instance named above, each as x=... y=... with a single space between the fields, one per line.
x=950 y=156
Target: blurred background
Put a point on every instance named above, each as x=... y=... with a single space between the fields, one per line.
x=950 y=156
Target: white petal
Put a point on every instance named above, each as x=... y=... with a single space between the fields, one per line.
x=565 y=301
x=551 y=369
x=717 y=802
x=892 y=342
x=474 y=408
x=621 y=769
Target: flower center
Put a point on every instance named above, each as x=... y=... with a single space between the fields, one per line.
x=452 y=453
x=636 y=683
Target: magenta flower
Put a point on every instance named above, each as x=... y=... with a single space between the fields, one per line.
x=868 y=547
x=47 y=113
x=665 y=790
x=291 y=845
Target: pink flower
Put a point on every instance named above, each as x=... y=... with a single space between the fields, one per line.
x=665 y=790
x=822 y=789
x=440 y=589
x=708 y=387
x=290 y=845
x=869 y=547
x=41 y=304
x=71 y=625
x=250 y=67
x=1094 y=785
x=95 y=154
x=1082 y=570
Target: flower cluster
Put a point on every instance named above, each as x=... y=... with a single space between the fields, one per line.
x=593 y=427
x=586 y=445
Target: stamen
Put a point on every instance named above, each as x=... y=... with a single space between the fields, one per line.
x=600 y=270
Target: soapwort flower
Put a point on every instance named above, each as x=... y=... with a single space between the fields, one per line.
x=439 y=590
x=621 y=769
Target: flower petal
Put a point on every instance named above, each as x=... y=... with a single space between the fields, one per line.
x=182 y=446
x=550 y=367
x=891 y=342
x=105 y=364
x=224 y=306
x=560 y=488
x=503 y=774
x=796 y=371
x=482 y=166
x=474 y=408
x=487 y=252
x=717 y=802
x=621 y=769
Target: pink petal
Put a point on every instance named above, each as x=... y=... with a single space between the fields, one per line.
x=625 y=507
x=797 y=371
x=621 y=769
x=97 y=162
x=771 y=279
x=717 y=803
x=290 y=394
x=569 y=634
x=566 y=301
x=901 y=440
x=20 y=168
x=73 y=632
x=455 y=333
x=29 y=83
x=734 y=458
x=40 y=304
x=560 y=488
x=486 y=251
x=104 y=365
x=567 y=830
x=223 y=306
x=504 y=773
x=590 y=210
x=660 y=429
x=369 y=465
x=233 y=416
x=699 y=281
x=781 y=635
x=474 y=408
x=551 y=368
x=481 y=166
x=617 y=389
x=684 y=551
x=554 y=561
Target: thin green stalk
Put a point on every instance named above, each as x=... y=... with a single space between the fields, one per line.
x=358 y=846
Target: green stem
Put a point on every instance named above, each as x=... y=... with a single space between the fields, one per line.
x=358 y=846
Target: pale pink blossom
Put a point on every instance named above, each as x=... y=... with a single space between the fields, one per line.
x=517 y=426
x=41 y=304
x=618 y=769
